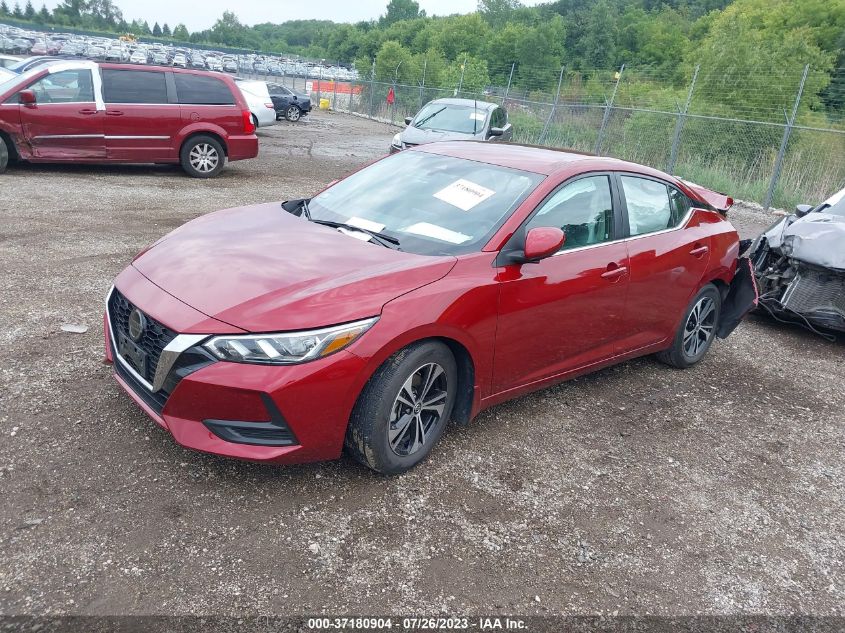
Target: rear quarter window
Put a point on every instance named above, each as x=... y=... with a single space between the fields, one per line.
x=202 y=90
x=134 y=86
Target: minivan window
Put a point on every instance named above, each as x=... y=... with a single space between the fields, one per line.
x=134 y=86
x=67 y=86
x=202 y=90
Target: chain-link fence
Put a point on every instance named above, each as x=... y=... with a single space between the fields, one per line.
x=772 y=140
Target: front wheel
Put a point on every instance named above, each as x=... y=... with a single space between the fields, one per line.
x=202 y=157
x=697 y=330
x=293 y=113
x=404 y=408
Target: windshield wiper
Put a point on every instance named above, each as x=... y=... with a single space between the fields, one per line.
x=298 y=207
x=429 y=117
x=382 y=238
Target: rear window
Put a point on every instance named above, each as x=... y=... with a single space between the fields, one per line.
x=202 y=90
x=134 y=86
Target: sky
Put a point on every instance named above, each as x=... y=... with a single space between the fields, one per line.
x=201 y=15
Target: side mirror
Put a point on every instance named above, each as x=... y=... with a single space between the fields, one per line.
x=27 y=97
x=803 y=209
x=408 y=120
x=497 y=131
x=542 y=242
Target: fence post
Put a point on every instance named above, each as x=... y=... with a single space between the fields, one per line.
x=607 y=108
x=790 y=121
x=334 y=87
x=461 y=82
x=422 y=85
x=372 y=87
x=510 y=79
x=676 y=139
x=320 y=84
x=552 y=113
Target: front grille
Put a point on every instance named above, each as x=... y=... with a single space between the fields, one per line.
x=816 y=291
x=155 y=338
x=155 y=401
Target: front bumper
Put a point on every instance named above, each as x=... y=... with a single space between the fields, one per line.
x=263 y=413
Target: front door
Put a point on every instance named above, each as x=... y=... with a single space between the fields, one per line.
x=64 y=123
x=568 y=310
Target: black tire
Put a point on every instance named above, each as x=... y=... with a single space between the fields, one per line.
x=4 y=155
x=697 y=329
x=293 y=113
x=254 y=121
x=375 y=436
x=194 y=149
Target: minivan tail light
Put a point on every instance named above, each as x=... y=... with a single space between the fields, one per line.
x=249 y=126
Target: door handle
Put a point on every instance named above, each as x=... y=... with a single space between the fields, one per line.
x=614 y=272
x=114 y=113
x=87 y=111
x=699 y=251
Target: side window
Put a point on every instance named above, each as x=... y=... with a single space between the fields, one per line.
x=679 y=205
x=134 y=86
x=582 y=209
x=648 y=205
x=67 y=86
x=202 y=90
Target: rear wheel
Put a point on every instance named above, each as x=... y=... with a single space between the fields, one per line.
x=697 y=331
x=4 y=155
x=404 y=408
x=202 y=157
x=293 y=113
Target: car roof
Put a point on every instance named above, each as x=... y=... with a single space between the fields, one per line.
x=480 y=105
x=539 y=160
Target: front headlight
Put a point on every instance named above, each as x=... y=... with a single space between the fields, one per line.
x=397 y=141
x=287 y=348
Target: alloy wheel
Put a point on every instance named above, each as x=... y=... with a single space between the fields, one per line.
x=293 y=113
x=204 y=157
x=417 y=409
x=699 y=328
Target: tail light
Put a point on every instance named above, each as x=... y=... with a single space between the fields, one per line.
x=270 y=105
x=249 y=126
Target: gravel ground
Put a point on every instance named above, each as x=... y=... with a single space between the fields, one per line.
x=639 y=489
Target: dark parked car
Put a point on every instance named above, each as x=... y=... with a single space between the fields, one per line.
x=426 y=287
x=84 y=112
x=289 y=104
x=454 y=120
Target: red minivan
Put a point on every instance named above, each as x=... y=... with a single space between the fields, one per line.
x=85 y=112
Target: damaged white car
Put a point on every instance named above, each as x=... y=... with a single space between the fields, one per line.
x=799 y=263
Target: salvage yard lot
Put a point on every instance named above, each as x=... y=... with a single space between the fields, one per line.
x=639 y=489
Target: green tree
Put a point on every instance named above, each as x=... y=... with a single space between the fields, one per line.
x=461 y=34
x=43 y=15
x=29 y=11
x=165 y=30
x=16 y=12
x=181 y=33
x=474 y=72
x=598 y=44
x=394 y=62
x=156 y=30
x=498 y=12
x=401 y=10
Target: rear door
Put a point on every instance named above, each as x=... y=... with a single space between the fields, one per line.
x=140 y=121
x=669 y=254
x=66 y=122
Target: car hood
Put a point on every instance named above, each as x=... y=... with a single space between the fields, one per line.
x=261 y=269
x=817 y=238
x=417 y=136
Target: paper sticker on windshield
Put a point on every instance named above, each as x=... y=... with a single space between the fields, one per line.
x=437 y=232
x=464 y=194
x=477 y=116
x=363 y=223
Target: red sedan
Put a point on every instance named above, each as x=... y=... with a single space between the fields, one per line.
x=423 y=288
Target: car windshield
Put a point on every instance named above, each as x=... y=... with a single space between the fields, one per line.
x=434 y=205
x=21 y=79
x=836 y=204
x=450 y=118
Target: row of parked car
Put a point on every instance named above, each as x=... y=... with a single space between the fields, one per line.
x=14 y=40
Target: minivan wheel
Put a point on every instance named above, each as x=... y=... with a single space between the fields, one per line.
x=202 y=157
x=402 y=412
x=697 y=329
x=4 y=155
x=293 y=113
